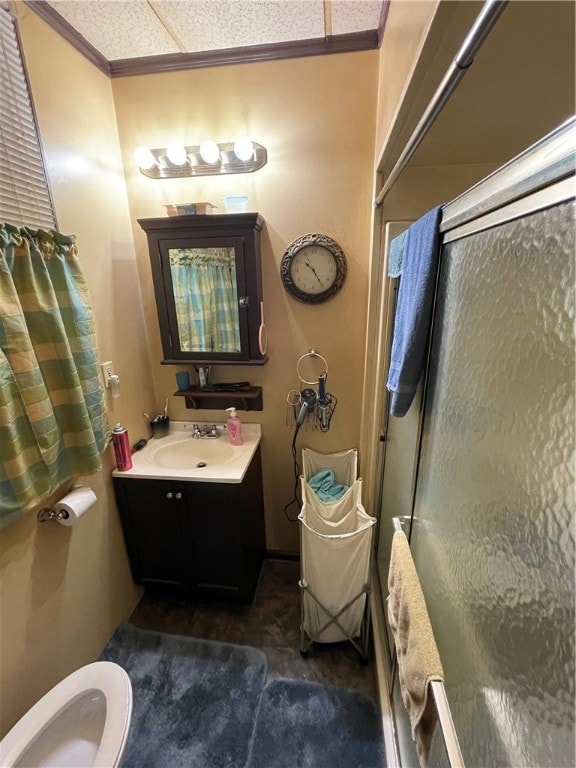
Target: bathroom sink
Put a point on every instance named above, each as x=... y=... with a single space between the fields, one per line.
x=184 y=453
x=179 y=456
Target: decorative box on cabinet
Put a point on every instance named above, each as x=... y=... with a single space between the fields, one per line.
x=203 y=538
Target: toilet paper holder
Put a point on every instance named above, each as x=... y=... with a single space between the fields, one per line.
x=48 y=513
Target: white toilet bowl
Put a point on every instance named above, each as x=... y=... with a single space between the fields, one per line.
x=82 y=722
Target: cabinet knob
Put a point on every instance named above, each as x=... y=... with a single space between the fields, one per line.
x=178 y=495
x=169 y=495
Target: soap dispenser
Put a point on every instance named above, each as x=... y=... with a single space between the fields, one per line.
x=234 y=427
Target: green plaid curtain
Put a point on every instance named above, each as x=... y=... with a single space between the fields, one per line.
x=52 y=413
x=206 y=299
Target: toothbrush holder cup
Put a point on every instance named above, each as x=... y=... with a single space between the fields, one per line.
x=160 y=426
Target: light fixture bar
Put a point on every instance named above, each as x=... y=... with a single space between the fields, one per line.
x=228 y=162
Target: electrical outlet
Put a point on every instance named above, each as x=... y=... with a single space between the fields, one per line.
x=107 y=371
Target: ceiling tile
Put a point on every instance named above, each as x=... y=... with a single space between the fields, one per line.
x=205 y=25
x=355 y=15
x=116 y=28
x=128 y=29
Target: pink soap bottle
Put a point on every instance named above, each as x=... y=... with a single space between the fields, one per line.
x=234 y=427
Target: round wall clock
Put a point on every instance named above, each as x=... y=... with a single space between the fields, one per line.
x=313 y=268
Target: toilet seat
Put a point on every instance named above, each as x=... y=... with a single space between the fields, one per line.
x=83 y=721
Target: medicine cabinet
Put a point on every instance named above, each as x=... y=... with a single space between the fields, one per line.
x=208 y=286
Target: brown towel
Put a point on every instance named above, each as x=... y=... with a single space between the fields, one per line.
x=418 y=658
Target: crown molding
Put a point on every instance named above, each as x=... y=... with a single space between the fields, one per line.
x=382 y=21
x=173 y=62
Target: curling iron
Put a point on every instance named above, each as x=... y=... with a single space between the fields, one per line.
x=325 y=404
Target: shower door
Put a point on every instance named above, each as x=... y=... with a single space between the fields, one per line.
x=493 y=518
x=399 y=440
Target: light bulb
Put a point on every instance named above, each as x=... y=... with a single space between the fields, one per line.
x=176 y=153
x=209 y=152
x=144 y=157
x=244 y=149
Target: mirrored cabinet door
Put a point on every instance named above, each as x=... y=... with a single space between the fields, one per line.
x=208 y=286
x=205 y=295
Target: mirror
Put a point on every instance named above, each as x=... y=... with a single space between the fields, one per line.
x=205 y=298
x=208 y=287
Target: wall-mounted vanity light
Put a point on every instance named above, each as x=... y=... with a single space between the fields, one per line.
x=205 y=159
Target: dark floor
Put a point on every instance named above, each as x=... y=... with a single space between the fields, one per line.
x=271 y=623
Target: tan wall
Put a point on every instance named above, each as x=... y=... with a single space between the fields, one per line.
x=406 y=27
x=315 y=116
x=64 y=590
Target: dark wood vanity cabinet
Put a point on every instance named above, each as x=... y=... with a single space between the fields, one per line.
x=208 y=286
x=203 y=538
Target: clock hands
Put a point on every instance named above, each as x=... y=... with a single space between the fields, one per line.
x=313 y=270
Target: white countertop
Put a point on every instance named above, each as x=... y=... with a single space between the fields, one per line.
x=176 y=456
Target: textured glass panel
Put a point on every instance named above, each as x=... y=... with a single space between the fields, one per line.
x=494 y=537
x=397 y=484
x=407 y=747
x=399 y=449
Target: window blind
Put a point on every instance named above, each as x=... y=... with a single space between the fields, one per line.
x=24 y=193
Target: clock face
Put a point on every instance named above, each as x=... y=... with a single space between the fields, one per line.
x=313 y=268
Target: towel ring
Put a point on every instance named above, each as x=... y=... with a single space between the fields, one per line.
x=311 y=353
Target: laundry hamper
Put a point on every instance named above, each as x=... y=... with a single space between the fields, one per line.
x=335 y=557
x=344 y=464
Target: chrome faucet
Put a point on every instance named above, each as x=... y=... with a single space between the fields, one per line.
x=203 y=431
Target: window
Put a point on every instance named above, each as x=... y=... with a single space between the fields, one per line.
x=24 y=194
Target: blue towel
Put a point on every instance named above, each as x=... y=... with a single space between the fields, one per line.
x=414 y=310
x=323 y=485
x=396 y=255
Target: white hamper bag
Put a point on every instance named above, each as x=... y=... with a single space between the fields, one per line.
x=335 y=569
x=332 y=516
x=344 y=464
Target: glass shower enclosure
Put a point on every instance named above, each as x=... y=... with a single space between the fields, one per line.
x=491 y=522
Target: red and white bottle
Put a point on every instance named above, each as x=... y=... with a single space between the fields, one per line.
x=121 y=448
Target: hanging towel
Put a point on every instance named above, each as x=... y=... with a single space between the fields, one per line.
x=413 y=310
x=396 y=255
x=322 y=483
x=418 y=658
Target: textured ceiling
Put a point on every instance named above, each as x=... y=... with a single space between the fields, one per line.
x=128 y=29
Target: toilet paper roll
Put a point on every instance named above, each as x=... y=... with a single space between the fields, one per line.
x=72 y=507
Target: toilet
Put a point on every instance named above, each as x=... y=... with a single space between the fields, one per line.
x=83 y=721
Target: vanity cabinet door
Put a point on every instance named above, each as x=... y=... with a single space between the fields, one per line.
x=226 y=523
x=214 y=521
x=153 y=517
